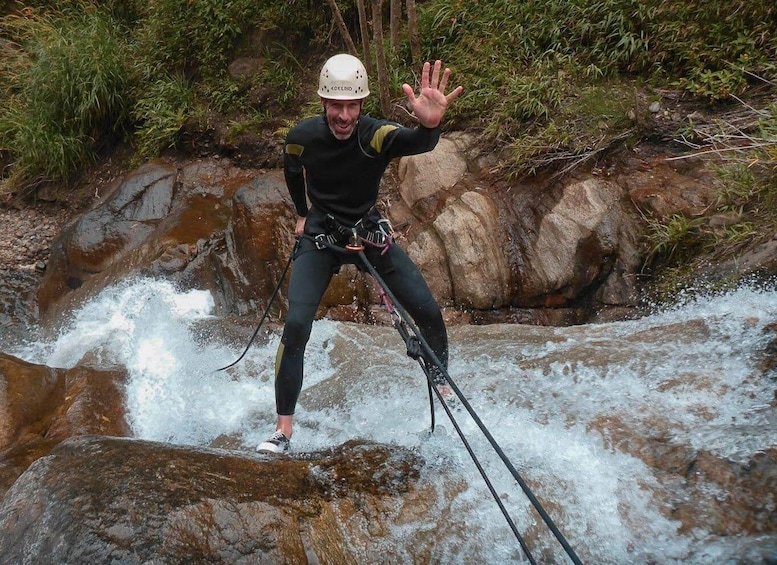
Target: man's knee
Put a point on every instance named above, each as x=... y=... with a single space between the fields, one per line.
x=428 y=313
x=295 y=335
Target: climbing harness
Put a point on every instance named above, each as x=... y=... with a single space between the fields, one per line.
x=353 y=238
x=343 y=239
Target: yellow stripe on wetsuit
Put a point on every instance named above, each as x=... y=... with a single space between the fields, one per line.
x=295 y=149
x=377 y=140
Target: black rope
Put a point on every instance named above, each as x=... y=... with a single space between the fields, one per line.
x=483 y=474
x=430 y=355
x=414 y=351
x=266 y=310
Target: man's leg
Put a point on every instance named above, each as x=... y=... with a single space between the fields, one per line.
x=310 y=277
x=405 y=281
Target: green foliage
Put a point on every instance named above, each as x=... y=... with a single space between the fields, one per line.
x=161 y=114
x=572 y=131
x=714 y=86
x=224 y=95
x=739 y=187
x=745 y=211
x=197 y=37
x=674 y=239
x=64 y=91
x=123 y=11
x=712 y=46
x=74 y=73
x=281 y=75
x=192 y=35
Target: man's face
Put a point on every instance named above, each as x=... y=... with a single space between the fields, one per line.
x=342 y=116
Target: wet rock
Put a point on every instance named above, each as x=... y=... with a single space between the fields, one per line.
x=147 y=502
x=41 y=406
x=709 y=491
x=30 y=395
x=430 y=175
x=140 y=228
x=578 y=241
x=258 y=242
x=106 y=233
x=731 y=498
x=479 y=270
x=757 y=263
x=665 y=189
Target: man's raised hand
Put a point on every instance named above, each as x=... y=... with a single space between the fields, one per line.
x=430 y=104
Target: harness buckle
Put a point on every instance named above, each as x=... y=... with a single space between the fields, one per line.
x=320 y=241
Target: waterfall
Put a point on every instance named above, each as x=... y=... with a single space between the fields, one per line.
x=589 y=415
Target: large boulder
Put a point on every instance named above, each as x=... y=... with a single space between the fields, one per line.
x=145 y=502
x=572 y=241
x=583 y=234
x=468 y=228
x=188 y=222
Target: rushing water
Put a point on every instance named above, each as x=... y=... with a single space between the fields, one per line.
x=547 y=395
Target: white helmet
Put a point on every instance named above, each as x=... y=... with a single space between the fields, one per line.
x=343 y=77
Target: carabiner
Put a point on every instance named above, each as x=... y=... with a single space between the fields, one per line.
x=354 y=244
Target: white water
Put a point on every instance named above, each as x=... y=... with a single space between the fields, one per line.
x=687 y=375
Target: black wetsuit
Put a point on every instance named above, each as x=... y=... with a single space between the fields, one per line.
x=341 y=180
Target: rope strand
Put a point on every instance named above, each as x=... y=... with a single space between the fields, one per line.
x=508 y=464
x=266 y=310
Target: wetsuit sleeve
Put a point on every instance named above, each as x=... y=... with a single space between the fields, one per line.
x=401 y=141
x=295 y=177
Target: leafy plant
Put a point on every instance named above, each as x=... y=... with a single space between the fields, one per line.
x=161 y=114
x=192 y=36
x=714 y=85
x=66 y=91
x=281 y=75
x=526 y=67
x=671 y=240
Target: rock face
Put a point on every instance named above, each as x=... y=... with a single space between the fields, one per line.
x=211 y=225
x=204 y=224
x=145 y=502
x=571 y=245
x=41 y=406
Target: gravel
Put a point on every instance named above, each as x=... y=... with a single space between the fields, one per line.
x=25 y=244
x=25 y=241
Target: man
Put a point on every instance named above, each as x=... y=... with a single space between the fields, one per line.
x=336 y=161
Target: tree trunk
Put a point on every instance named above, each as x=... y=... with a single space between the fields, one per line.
x=412 y=31
x=343 y=28
x=380 y=56
x=365 y=31
x=395 y=24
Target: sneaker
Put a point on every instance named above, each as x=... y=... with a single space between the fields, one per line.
x=277 y=443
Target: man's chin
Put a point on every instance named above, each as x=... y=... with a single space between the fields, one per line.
x=340 y=133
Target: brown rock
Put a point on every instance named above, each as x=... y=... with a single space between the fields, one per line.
x=41 y=406
x=144 y=501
